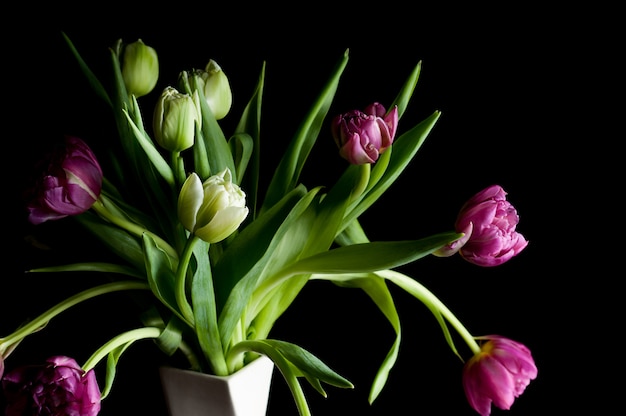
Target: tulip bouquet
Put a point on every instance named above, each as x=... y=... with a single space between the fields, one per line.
x=217 y=260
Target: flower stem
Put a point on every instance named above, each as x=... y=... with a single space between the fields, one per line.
x=101 y=207
x=181 y=281
x=118 y=341
x=432 y=302
x=39 y=322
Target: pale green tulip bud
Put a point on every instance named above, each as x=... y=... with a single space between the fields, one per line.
x=140 y=68
x=212 y=210
x=175 y=118
x=216 y=89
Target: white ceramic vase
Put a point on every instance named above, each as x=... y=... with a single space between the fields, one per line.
x=245 y=393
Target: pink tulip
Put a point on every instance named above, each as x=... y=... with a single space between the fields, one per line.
x=488 y=221
x=58 y=388
x=498 y=374
x=363 y=136
x=70 y=184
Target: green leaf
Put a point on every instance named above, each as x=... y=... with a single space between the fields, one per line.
x=287 y=174
x=438 y=309
x=405 y=94
x=91 y=78
x=154 y=156
x=204 y=310
x=377 y=290
x=200 y=156
x=218 y=152
x=161 y=276
x=119 y=241
x=171 y=337
x=111 y=367
x=293 y=362
x=308 y=363
x=93 y=267
x=250 y=124
x=241 y=146
x=369 y=257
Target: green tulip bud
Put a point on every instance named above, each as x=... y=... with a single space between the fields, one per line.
x=175 y=118
x=212 y=210
x=140 y=68
x=216 y=89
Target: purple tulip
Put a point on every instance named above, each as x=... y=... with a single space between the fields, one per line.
x=1 y=366
x=58 y=388
x=363 y=136
x=70 y=184
x=498 y=374
x=488 y=221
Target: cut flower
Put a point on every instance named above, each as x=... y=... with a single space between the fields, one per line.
x=212 y=210
x=499 y=373
x=59 y=387
x=489 y=223
x=71 y=183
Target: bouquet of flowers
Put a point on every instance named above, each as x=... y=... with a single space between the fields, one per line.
x=217 y=260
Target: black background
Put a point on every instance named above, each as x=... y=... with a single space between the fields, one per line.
x=505 y=81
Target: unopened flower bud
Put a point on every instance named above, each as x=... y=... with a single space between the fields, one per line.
x=140 y=68
x=212 y=210
x=174 y=121
x=216 y=89
x=363 y=135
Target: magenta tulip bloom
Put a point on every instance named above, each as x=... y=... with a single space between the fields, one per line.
x=488 y=221
x=58 y=388
x=498 y=374
x=363 y=136
x=70 y=184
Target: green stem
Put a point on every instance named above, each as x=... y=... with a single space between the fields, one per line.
x=178 y=167
x=433 y=303
x=181 y=281
x=190 y=355
x=37 y=323
x=118 y=341
x=100 y=206
x=363 y=182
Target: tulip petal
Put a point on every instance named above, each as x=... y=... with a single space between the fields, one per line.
x=189 y=201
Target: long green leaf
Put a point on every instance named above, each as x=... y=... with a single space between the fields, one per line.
x=369 y=257
x=119 y=241
x=91 y=78
x=309 y=363
x=250 y=124
x=154 y=156
x=218 y=152
x=377 y=290
x=93 y=267
x=405 y=94
x=204 y=310
x=287 y=174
